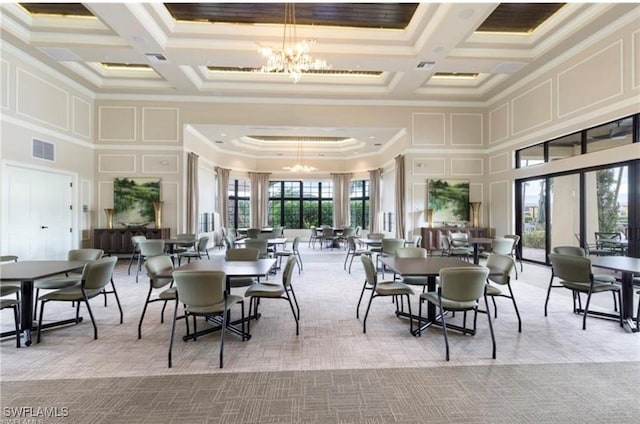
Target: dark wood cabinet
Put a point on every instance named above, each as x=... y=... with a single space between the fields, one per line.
x=431 y=236
x=118 y=240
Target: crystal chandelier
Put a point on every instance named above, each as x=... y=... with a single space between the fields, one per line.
x=294 y=57
x=300 y=166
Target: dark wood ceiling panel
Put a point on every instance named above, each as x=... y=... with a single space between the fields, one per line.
x=362 y=15
x=64 y=9
x=518 y=17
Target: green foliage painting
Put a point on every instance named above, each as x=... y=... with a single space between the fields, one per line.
x=449 y=200
x=133 y=200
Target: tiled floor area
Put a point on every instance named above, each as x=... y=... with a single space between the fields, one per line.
x=330 y=335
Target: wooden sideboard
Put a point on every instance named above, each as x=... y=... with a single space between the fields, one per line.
x=431 y=235
x=118 y=240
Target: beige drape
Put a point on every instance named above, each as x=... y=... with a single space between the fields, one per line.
x=192 y=193
x=374 y=199
x=341 y=210
x=222 y=200
x=400 y=196
x=259 y=198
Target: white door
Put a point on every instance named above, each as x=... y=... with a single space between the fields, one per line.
x=38 y=214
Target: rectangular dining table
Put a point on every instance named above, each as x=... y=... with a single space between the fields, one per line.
x=258 y=268
x=27 y=272
x=627 y=266
x=425 y=267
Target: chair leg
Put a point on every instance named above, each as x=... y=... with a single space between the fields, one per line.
x=444 y=330
x=295 y=300
x=294 y=312
x=115 y=293
x=586 y=308
x=546 y=301
x=420 y=300
x=493 y=339
x=222 y=331
x=93 y=321
x=410 y=315
x=364 y=323
x=144 y=310
x=17 y=324
x=364 y=287
x=173 y=330
x=40 y=320
x=515 y=307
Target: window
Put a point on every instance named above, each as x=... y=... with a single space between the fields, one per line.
x=359 y=203
x=239 y=203
x=300 y=204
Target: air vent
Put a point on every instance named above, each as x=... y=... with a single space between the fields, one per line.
x=156 y=57
x=43 y=150
x=425 y=66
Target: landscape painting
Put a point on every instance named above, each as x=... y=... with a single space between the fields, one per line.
x=449 y=200
x=133 y=200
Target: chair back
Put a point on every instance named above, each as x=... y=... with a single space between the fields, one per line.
x=135 y=241
x=157 y=265
x=411 y=252
x=229 y=242
x=500 y=267
x=253 y=233
x=288 y=271
x=97 y=274
x=416 y=240
x=351 y=244
x=327 y=232
x=185 y=236
x=197 y=289
x=278 y=231
x=516 y=240
x=357 y=231
x=203 y=243
x=151 y=247
x=260 y=244
x=85 y=254
x=570 y=250
x=502 y=246
x=348 y=231
x=389 y=246
x=242 y=254
x=375 y=236
x=576 y=269
x=294 y=245
x=445 y=243
x=463 y=284
x=267 y=235
x=369 y=270
x=459 y=239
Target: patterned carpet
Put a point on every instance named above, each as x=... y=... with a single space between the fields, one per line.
x=575 y=393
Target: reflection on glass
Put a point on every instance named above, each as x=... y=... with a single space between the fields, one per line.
x=533 y=200
x=565 y=147
x=613 y=134
x=531 y=156
x=565 y=210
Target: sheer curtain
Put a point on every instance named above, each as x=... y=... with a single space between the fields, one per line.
x=400 y=196
x=222 y=198
x=341 y=210
x=259 y=198
x=192 y=193
x=374 y=199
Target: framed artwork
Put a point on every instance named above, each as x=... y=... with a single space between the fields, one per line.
x=133 y=200
x=449 y=200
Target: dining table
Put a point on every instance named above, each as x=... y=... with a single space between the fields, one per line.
x=425 y=267
x=27 y=272
x=275 y=242
x=476 y=242
x=171 y=243
x=258 y=268
x=627 y=267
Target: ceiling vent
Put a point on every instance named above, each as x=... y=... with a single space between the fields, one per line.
x=43 y=150
x=156 y=57
x=425 y=66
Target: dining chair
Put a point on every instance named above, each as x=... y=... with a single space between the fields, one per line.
x=135 y=241
x=575 y=274
x=328 y=236
x=607 y=244
x=258 y=291
x=313 y=237
x=376 y=236
x=413 y=252
x=204 y=294
x=515 y=252
x=415 y=241
x=68 y=279
x=202 y=247
x=353 y=251
x=460 y=289
x=156 y=266
x=389 y=247
x=241 y=254
x=381 y=288
x=13 y=304
x=598 y=278
x=460 y=252
x=260 y=244
x=148 y=249
x=7 y=288
x=500 y=267
x=253 y=233
x=295 y=252
x=95 y=277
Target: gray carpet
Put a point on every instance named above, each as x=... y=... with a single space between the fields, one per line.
x=543 y=393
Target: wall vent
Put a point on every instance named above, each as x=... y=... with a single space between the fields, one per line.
x=43 y=150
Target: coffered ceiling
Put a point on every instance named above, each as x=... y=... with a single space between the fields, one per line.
x=380 y=53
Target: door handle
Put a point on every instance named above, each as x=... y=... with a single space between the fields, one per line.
x=43 y=227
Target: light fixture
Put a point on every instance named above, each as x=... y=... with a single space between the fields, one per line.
x=300 y=166
x=293 y=58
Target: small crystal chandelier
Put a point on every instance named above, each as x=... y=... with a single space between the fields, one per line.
x=300 y=166
x=294 y=58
